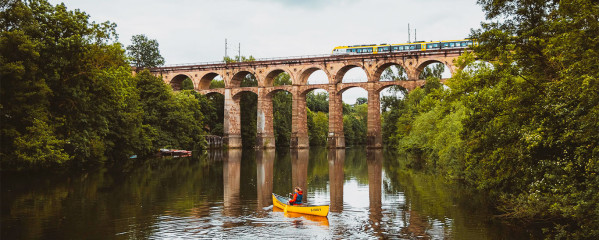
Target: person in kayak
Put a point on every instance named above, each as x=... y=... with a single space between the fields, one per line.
x=297 y=197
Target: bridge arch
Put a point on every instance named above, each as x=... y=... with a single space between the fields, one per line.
x=380 y=70
x=177 y=81
x=345 y=69
x=236 y=93
x=308 y=71
x=213 y=92
x=239 y=76
x=420 y=68
x=206 y=79
x=270 y=77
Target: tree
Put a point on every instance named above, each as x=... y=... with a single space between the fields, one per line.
x=433 y=70
x=318 y=127
x=361 y=100
x=249 y=108
x=144 y=52
x=524 y=126
x=282 y=104
x=187 y=84
x=171 y=120
x=318 y=102
x=67 y=94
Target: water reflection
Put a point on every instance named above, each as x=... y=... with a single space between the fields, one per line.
x=374 y=159
x=320 y=220
x=264 y=176
x=228 y=195
x=299 y=171
x=336 y=159
x=231 y=180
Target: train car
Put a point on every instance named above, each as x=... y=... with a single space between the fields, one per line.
x=403 y=47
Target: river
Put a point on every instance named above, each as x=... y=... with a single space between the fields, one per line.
x=227 y=194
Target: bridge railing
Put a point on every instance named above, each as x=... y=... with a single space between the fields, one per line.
x=257 y=60
x=306 y=57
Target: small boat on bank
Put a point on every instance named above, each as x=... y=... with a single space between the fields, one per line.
x=174 y=152
x=281 y=202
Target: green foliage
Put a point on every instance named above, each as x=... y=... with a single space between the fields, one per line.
x=187 y=84
x=144 y=52
x=65 y=82
x=249 y=109
x=171 y=120
x=317 y=107
x=318 y=127
x=523 y=124
x=235 y=59
x=282 y=106
x=318 y=102
x=214 y=113
x=355 y=121
x=434 y=70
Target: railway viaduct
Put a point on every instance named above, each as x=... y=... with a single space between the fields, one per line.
x=299 y=69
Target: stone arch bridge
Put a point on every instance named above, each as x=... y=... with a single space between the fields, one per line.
x=299 y=69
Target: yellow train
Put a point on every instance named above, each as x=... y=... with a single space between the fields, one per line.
x=403 y=47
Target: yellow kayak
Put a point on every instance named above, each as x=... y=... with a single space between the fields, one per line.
x=320 y=220
x=281 y=202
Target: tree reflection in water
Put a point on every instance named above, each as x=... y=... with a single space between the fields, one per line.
x=227 y=194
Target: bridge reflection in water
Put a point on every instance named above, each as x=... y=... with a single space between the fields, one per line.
x=351 y=174
x=227 y=195
x=368 y=192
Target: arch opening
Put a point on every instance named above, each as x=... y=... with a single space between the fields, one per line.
x=391 y=99
x=244 y=79
x=434 y=69
x=180 y=81
x=355 y=115
x=210 y=81
x=248 y=109
x=314 y=76
x=351 y=74
x=317 y=115
x=391 y=72
x=277 y=78
x=214 y=115
x=282 y=107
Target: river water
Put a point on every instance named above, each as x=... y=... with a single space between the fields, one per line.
x=227 y=194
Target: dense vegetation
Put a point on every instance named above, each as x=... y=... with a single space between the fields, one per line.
x=68 y=97
x=523 y=122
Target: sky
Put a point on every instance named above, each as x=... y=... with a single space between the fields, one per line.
x=193 y=31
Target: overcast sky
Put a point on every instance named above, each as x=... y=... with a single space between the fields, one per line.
x=191 y=31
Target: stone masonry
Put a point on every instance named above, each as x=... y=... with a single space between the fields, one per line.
x=299 y=69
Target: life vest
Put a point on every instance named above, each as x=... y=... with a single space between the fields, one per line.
x=297 y=198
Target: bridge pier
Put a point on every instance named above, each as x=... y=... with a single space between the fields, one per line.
x=300 y=69
x=265 y=137
x=374 y=138
x=232 y=124
x=336 y=138
x=299 y=122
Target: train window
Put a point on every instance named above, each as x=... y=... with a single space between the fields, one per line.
x=451 y=44
x=445 y=44
x=412 y=47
